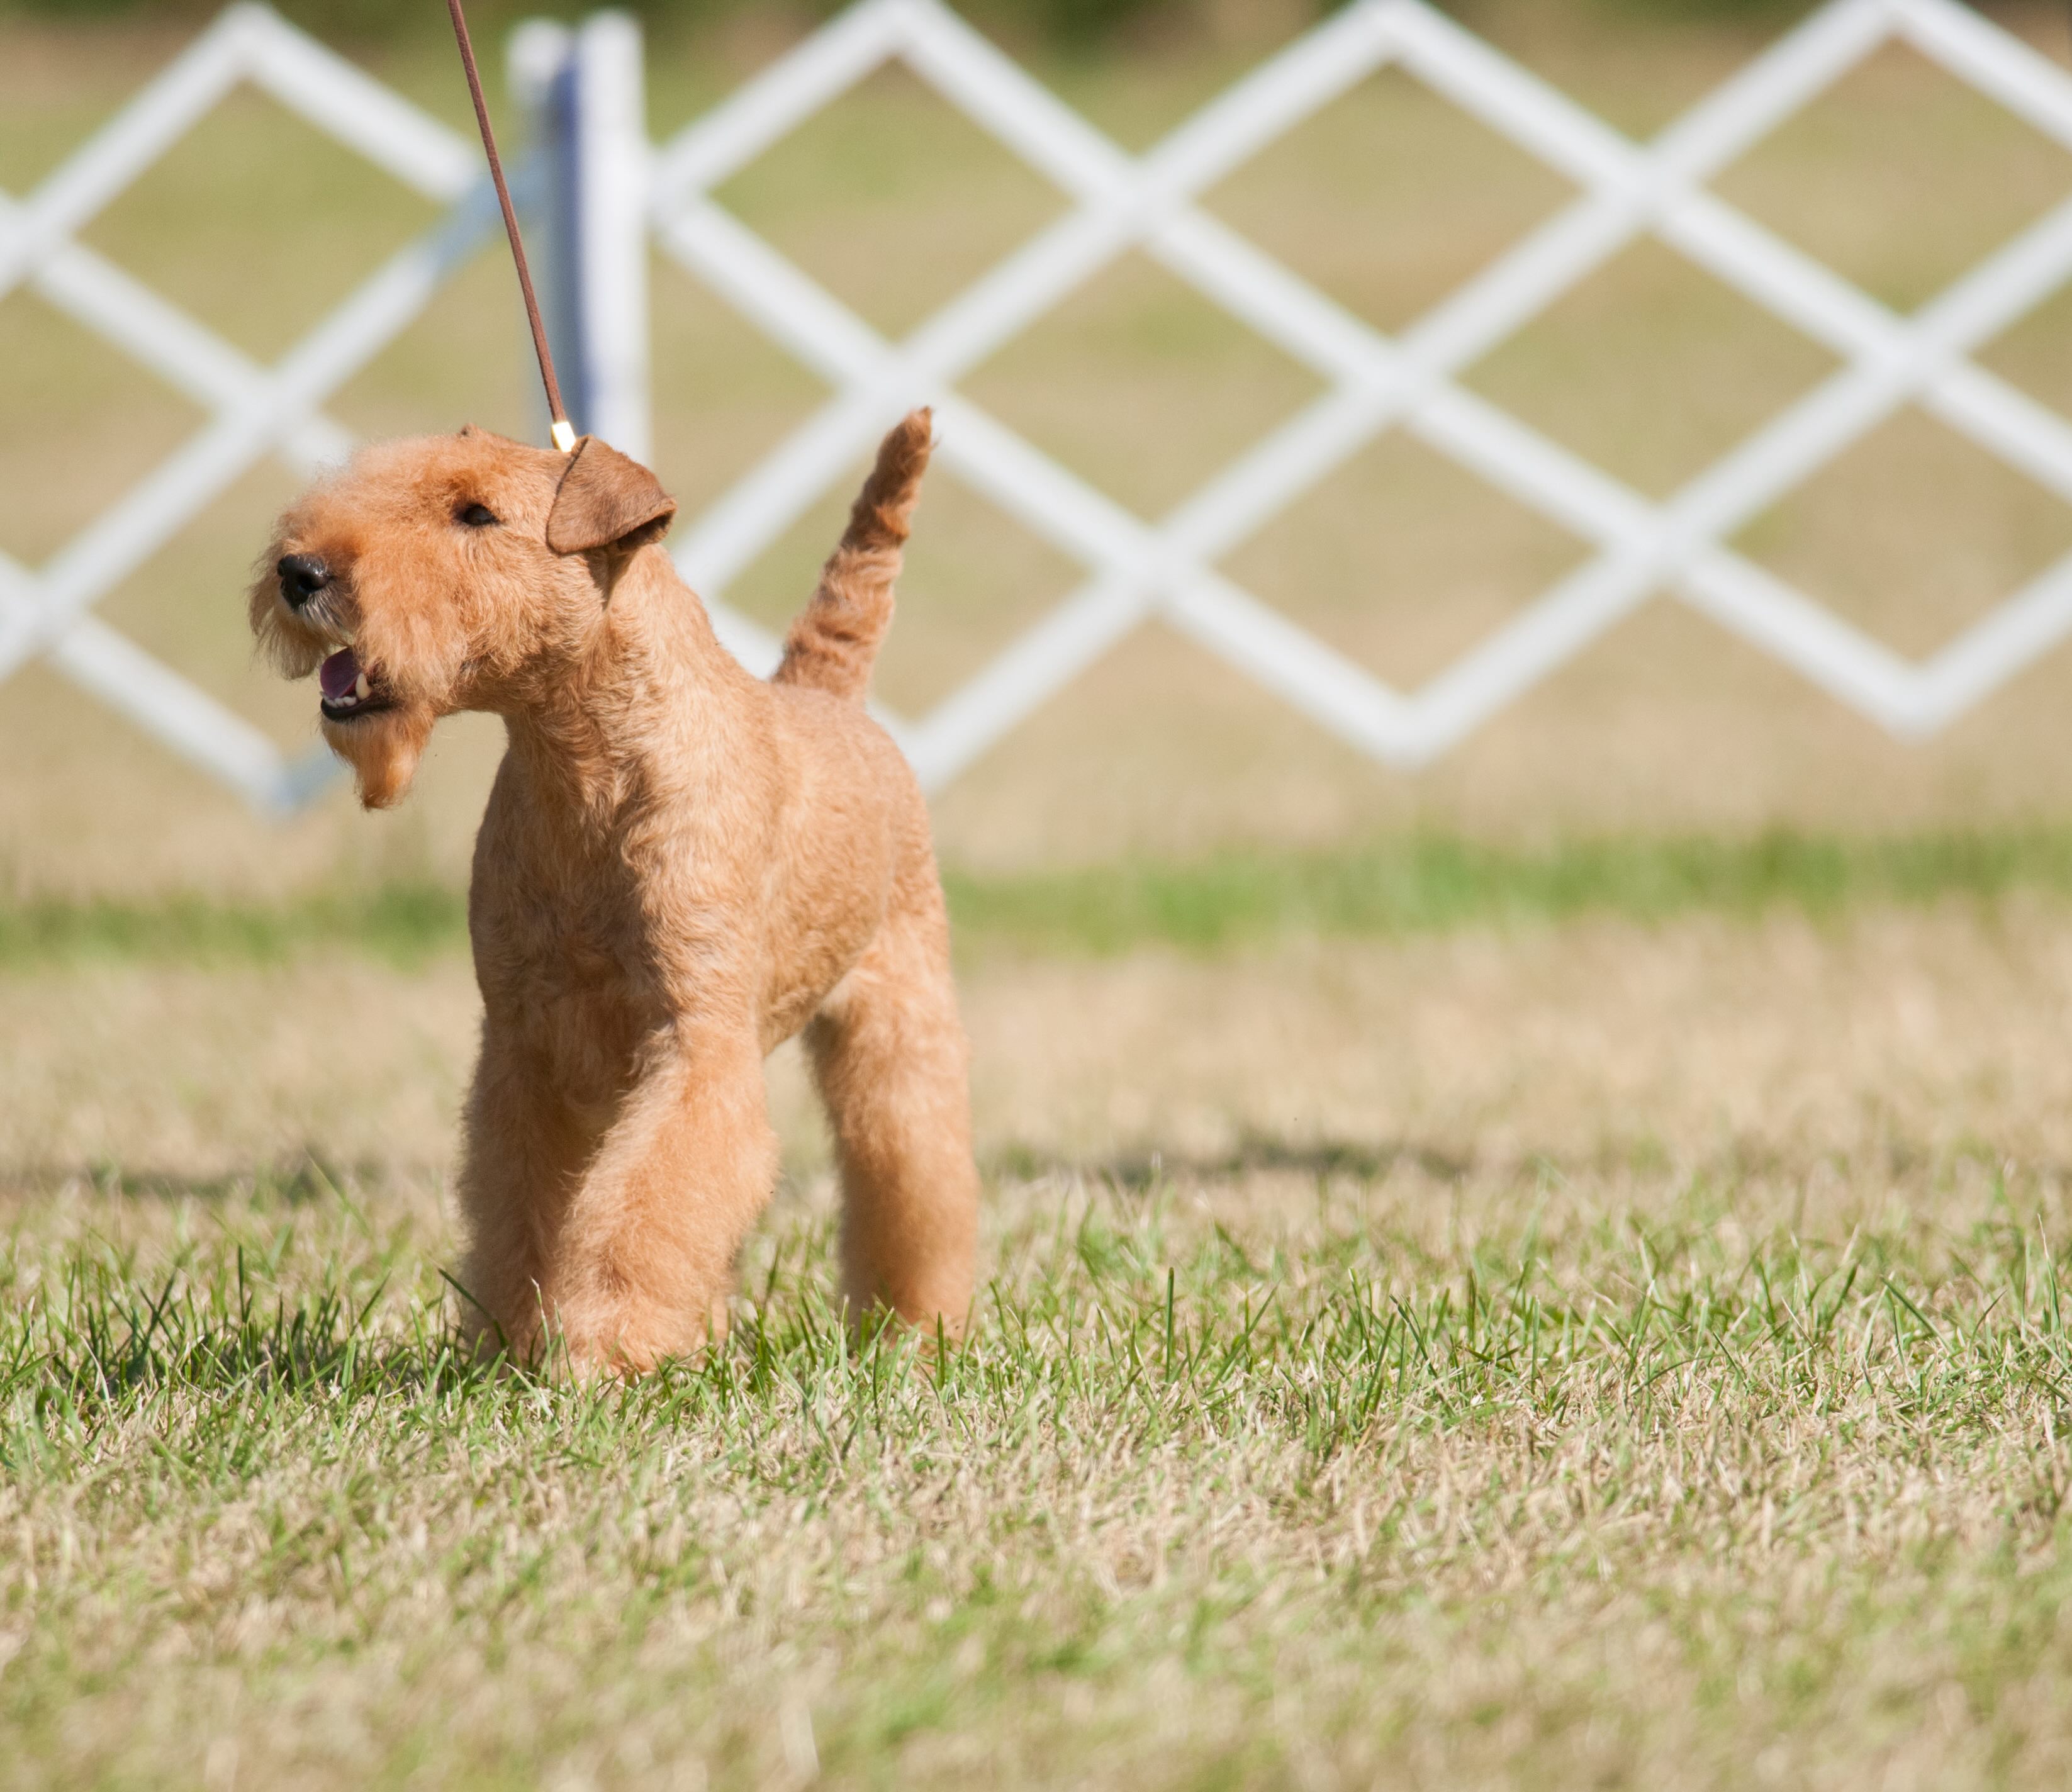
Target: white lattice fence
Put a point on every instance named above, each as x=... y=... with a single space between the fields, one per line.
x=252 y=410
x=1135 y=567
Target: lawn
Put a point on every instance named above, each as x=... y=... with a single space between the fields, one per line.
x=1508 y=1343
x=1634 y=1477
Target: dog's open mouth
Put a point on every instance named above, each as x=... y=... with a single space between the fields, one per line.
x=349 y=691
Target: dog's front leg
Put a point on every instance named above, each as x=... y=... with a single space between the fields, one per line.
x=526 y=1152
x=645 y=1261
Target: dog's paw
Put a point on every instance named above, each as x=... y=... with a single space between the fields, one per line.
x=629 y=1341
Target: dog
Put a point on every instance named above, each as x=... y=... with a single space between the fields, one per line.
x=681 y=866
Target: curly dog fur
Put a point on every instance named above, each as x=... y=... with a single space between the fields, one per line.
x=681 y=866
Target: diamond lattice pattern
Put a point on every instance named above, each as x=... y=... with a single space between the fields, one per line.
x=1120 y=205
x=1640 y=544
x=251 y=410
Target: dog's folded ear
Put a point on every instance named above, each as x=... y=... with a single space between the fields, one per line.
x=606 y=500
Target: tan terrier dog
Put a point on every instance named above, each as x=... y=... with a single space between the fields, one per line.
x=680 y=867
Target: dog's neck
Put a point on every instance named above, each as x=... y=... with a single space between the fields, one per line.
x=623 y=725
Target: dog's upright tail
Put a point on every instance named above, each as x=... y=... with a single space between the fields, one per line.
x=835 y=638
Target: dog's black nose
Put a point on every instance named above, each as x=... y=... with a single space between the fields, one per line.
x=302 y=578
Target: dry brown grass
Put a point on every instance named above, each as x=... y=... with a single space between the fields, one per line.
x=1701 y=1040
x=1339 y=1473
x=1547 y=1356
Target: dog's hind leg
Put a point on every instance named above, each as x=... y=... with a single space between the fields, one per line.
x=889 y=1055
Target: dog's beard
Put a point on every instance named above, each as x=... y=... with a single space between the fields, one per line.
x=383 y=750
x=294 y=649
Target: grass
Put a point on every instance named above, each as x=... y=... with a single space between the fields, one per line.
x=401 y=923
x=1396 y=1484
x=1596 y=1353
x=1423 y=883
x=1437 y=883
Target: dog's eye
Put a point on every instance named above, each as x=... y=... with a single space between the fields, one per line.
x=477 y=516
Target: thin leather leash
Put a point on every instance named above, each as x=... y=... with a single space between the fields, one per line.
x=564 y=435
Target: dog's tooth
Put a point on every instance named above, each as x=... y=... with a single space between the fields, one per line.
x=360 y=688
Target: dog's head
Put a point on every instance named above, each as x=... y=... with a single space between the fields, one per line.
x=462 y=572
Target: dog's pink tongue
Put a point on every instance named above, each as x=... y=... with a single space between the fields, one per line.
x=339 y=676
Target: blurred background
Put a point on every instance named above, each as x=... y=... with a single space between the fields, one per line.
x=1900 y=178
